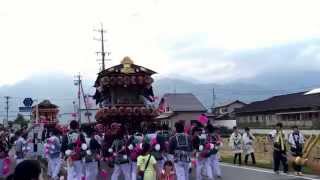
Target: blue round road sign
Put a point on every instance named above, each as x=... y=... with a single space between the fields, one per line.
x=28 y=102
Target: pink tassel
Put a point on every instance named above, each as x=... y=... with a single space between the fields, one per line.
x=153 y=141
x=193 y=161
x=207 y=146
x=104 y=174
x=6 y=166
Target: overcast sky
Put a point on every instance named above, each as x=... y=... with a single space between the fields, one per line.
x=211 y=41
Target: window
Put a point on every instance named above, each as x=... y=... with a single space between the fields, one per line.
x=298 y=117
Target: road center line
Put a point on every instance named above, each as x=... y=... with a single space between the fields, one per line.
x=266 y=171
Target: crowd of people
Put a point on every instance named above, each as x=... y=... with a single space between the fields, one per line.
x=103 y=152
x=158 y=154
x=244 y=143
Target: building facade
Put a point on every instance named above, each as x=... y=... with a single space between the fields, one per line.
x=180 y=106
x=223 y=115
x=292 y=109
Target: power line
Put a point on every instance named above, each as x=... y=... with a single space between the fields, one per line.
x=102 y=52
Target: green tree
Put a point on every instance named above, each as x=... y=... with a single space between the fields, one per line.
x=21 y=120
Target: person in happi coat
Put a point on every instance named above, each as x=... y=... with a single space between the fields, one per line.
x=72 y=149
x=120 y=153
x=53 y=148
x=236 y=143
x=279 y=148
x=296 y=141
x=201 y=153
x=180 y=147
x=215 y=139
x=21 y=146
x=160 y=146
x=92 y=155
x=135 y=149
x=248 y=148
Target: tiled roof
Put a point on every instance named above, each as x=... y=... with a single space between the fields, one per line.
x=184 y=102
x=283 y=102
x=227 y=103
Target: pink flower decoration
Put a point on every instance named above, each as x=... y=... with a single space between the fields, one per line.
x=154 y=141
x=203 y=119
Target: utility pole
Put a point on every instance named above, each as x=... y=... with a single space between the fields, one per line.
x=5 y=122
x=85 y=102
x=74 y=109
x=102 y=52
x=77 y=82
x=213 y=98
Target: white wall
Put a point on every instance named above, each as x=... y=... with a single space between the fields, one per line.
x=226 y=123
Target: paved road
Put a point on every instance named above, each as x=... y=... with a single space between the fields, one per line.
x=231 y=172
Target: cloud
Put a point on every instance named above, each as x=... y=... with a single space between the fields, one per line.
x=223 y=66
x=57 y=36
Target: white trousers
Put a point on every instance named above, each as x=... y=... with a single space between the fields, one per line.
x=91 y=169
x=121 y=168
x=215 y=164
x=54 y=165
x=133 y=170
x=203 y=169
x=75 y=170
x=182 y=170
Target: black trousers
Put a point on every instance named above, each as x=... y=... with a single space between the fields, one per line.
x=252 y=158
x=237 y=155
x=280 y=157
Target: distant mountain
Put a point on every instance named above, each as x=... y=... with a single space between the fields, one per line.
x=205 y=92
x=60 y=90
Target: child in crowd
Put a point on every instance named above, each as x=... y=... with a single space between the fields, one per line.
x=147 y=164
x=168 y=172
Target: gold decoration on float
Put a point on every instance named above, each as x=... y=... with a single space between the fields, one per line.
x=127 y=65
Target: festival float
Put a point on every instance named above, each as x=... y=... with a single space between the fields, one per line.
x=45 y=113
x=124 y=94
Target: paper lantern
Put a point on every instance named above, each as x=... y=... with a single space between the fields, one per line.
x=140 y=80
x=126 y=81
x=133 y=80
x=136 y=111
x=120 y=80
x=121 y=111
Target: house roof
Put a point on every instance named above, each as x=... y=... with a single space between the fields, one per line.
x=228 y=103
x=184 y=102
x=283 y=102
